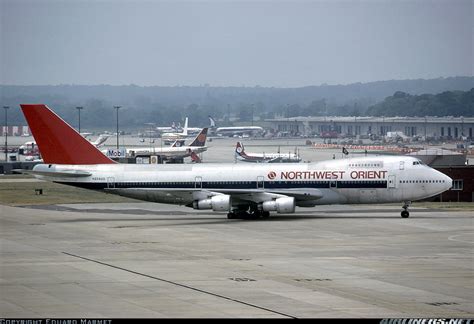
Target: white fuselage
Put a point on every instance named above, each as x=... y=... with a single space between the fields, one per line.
x=171 y=137
x=378 y=179
x=264 y=157
x=181 y=151
x=231 y=130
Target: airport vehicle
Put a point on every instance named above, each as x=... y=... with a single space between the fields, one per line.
x=235 y=131
x=176 y=151
x=29 y=149
x=241 y=155
x=241 y=190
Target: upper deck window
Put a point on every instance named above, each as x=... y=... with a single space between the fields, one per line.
x=369 y=164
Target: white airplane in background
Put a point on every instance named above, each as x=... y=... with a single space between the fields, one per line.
x=241 y=155
x=168 y=129
x=241 y=190
x=235 y=130
x=170 y=138
x=177 y=129
x=176 y=151
x=100 y=140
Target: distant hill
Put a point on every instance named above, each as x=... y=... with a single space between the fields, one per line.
x=165 y=104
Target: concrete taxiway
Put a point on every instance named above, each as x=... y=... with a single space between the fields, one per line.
x=153 y=260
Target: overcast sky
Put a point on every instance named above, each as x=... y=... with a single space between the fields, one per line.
x=224 y=43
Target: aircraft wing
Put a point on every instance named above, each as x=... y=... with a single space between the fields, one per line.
x=260 y=195
x=188 y=195
x=274 y=160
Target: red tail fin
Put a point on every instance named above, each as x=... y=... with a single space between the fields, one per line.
x=58 y=142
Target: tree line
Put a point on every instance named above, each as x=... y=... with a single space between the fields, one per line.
x=447 y=103
x=140 y=106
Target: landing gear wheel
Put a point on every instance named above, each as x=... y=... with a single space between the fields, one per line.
x=405 y=213
x=265 y=214
x=238 y=214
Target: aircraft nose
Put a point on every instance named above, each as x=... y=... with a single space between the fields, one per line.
x=448 y=181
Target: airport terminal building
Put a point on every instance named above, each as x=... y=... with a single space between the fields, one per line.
x=427 y=127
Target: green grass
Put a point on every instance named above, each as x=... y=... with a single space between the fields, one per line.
x=23 y=193
x=445 y=205
x=16 y=176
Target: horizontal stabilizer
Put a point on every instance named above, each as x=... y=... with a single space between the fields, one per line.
x=58 y=174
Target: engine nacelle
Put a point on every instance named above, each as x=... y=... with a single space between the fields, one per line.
x=216 y=203
x=280 y=205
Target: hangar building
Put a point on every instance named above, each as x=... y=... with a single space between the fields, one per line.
x=435 y=127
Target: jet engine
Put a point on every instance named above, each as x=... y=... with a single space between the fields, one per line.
x=280 y=205
x=216 y=203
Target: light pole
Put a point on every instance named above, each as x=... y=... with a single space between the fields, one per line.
x=288 y=127
x=252 y=114
x=117 y=108
x=383 y=126
x=79 y=113
x=425 y=127
x=6 y=132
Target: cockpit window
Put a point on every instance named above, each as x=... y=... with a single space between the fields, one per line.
x=418 y=162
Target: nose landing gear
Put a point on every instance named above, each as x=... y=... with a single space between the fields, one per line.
x=405 y=213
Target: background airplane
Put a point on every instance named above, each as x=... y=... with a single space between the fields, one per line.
x=100 y=141
x=169 y=129
x=169 y=138
x=231 y=131
x=241 y=155
x=176 y=151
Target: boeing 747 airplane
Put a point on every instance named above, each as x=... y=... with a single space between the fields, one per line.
x=240 y=190
x=241 y=155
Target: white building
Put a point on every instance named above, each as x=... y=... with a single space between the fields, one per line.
x=436 y=127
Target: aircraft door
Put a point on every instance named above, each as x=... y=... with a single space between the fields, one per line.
x=110 y=183
x=402 y=165
x=260 y=182
x=392 y=182
x=198 y=182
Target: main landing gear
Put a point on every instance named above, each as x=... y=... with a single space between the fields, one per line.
x=248 y=214
x=405 y=213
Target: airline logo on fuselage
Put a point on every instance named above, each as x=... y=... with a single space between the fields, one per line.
x=328 y=175
x=271 y=175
